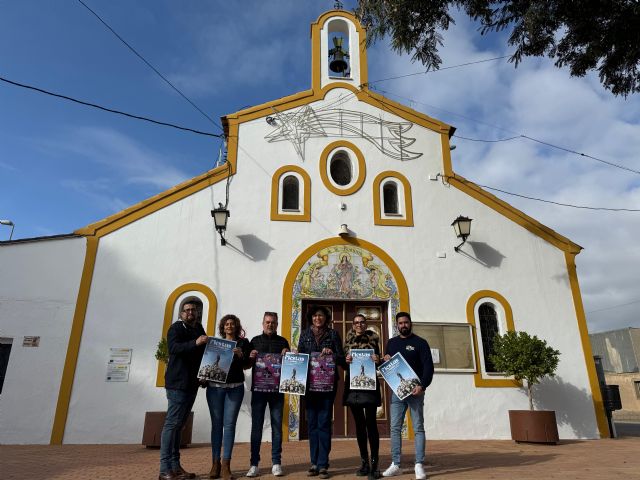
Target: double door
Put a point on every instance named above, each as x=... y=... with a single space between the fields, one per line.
x=342 y=313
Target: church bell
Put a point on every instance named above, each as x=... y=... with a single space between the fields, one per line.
x=337 y=56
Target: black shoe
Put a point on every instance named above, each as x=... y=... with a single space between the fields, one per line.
x=313 y=471
x=374 y=471
x=324 y=473
x=363 y=471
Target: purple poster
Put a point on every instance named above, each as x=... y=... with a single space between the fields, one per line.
x=266 y=372
x=321 y=372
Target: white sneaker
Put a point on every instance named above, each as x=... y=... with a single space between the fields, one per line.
x=276 y=470
x=392 y=471
x=253 y=471
x=420 y=473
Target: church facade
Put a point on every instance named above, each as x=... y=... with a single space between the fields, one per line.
x=337 y=196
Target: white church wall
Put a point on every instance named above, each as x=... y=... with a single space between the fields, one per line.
x=138 y=266
x=38 y=289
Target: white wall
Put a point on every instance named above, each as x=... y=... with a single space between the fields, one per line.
x=140 y=265
x=38 y=289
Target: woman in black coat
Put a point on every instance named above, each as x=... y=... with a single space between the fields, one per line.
x=364 y=403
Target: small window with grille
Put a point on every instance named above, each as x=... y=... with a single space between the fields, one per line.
x=390 y=198
x=290 y=194
x=488 y=330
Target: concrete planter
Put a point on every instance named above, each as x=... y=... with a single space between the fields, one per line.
x=153 y=423
x=535 y=426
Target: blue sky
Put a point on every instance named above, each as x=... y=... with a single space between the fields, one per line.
x=64 y=166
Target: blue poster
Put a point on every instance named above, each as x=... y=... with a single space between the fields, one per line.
x=399 y=376
x=293 y=374
x=216 y=360
x=362 y=370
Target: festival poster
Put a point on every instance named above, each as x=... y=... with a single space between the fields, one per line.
x=399 y=376
x=321 y=372
x=362 y=370
x=216 y=360
x=293 y=374
x=266 y=372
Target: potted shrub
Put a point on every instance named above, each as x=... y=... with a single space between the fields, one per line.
x=154 y=421
x=527 y=358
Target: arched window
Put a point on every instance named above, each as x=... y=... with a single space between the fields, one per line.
x=488 y=319
x=489 y=314
x=390 y=198
x=340 y=168
x=291 y=193
x=392 y=203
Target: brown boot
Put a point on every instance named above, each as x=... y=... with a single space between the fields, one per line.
x=226 y=470
x=215 y=469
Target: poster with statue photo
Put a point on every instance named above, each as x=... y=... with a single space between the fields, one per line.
x=399 y=376
x=293 y=374
x=362 y=370
x=216 y=360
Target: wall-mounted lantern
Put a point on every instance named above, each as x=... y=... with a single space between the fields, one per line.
x=220 y=216
x=462 y=227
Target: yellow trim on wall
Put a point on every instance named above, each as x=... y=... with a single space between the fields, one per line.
x=447 y=167
x=73 y=347
x=155 y=203
x=298 y=263
x=479 y=381
x=275 y=195
x=168 y=317
x=324 y=163
x=407 y=221
x=596 y=395
x=521 y=218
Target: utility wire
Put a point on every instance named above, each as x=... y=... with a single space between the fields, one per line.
x=111 y=110
x=150 y=66
x=439 y=69
x=622 y=167
x=553 y=202
x=526 y=137
x=614 y=306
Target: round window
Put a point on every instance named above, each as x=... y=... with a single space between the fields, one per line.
x=340 y=168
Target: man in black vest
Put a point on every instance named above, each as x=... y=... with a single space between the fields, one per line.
x=268 y=342
x=186 y=341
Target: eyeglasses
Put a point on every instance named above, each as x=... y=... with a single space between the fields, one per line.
x=359 y=322
x=189 y=310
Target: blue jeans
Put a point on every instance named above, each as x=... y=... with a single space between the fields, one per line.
x=319 y=408
x=398 y=410
x=259 y=402
x=224 y=406
x=180 y=403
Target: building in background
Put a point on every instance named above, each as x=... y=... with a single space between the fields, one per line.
x=338 y=196
x=620 y=353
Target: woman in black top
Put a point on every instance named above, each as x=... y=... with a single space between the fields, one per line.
x=319 y=337
x=364 y=403
x=224 y=399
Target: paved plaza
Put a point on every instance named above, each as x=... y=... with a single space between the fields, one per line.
x=596 y=459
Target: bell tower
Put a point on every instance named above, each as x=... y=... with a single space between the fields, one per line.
x=338 y=45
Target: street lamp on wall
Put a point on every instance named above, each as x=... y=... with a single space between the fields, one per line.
x=220 y=216
x=9 y=223
x=462 y=227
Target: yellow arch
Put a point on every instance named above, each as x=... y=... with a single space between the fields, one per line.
x=275 y=191
x=362 y=168
x=287 y=289
x=408 y=203
x=471 y=304
x=168 y=316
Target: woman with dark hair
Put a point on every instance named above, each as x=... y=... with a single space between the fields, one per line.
x=224 y=399
x=319 y=337
x=364 y=403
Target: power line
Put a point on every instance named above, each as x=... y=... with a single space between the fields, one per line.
x=106 y=109
x=614 y=306
x=564 y=149
x=553 y=202
x=439 y=69
x=150 y=66
x=521 y=135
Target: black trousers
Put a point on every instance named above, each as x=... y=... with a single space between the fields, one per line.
x=366 y=429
